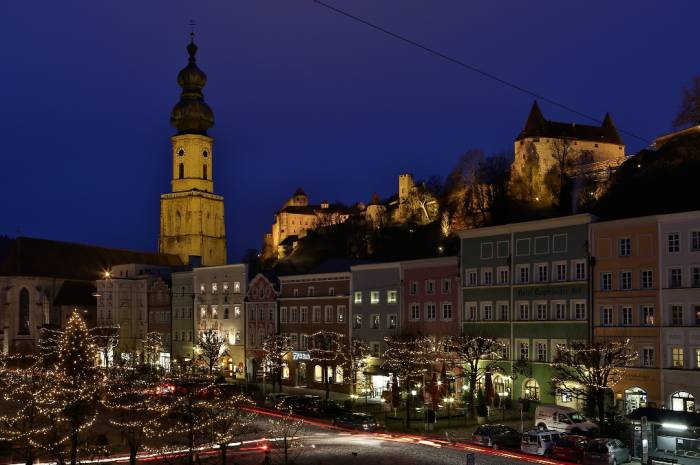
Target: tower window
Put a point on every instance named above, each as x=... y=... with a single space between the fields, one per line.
x=204 y=171
x=181 y=152
x=205 y=154
x=182 y=170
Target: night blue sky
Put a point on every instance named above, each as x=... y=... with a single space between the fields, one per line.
x=302 y=97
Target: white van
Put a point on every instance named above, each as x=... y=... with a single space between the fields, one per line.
x=539 y=442
x=563 y=419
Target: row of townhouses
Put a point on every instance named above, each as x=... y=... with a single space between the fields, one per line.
x=534 y=286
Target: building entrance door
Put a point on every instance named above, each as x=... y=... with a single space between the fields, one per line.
x=301 y=374
x=634 y=398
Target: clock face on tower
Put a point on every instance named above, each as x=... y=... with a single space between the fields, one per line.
x=181 y=151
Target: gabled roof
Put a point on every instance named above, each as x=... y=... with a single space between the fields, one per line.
x=537 y=126
x=28 y=256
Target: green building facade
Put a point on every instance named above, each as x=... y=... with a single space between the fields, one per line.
x=526 y=285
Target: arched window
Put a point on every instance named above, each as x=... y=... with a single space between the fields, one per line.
x=531 y=389
x=23 y=322
x=204 y=171
x=181 y=168
x=205 y=154
x=682 y=401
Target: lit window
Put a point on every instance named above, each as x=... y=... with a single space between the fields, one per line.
x=236 y=311
x=339 y=375
x=391 y=321
x=374 y=297
x=237 y=287
x=224 y=287
x=677 y=358
x=531 y=390
x=648 y=315
x=318 y=373
x=214 y=288
x=357 y=322
x=358 y=297
x=374 y=321
x=202 y=288
x=391 y=297
x=341 y=313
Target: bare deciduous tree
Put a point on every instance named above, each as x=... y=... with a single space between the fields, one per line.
x=689 y=112
x=212 y=347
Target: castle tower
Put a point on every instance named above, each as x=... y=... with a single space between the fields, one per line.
x=406 y=185
x=192 y=216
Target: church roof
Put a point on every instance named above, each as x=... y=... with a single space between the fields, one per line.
x=26 y=256
x=537 y=126
x=80 y=293
x=191 y=115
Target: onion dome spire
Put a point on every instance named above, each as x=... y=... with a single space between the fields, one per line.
x=191 y=115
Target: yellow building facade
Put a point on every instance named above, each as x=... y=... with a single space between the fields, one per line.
x=192 y=216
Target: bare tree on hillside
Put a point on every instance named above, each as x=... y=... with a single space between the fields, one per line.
x=689 y=112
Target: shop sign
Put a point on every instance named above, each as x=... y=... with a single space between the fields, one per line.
x=301 y=356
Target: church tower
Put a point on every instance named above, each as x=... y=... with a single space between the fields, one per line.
x=192 y=216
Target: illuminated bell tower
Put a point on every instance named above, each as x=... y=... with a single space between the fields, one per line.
x=192 y=216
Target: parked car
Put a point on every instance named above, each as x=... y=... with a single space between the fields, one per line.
x=539 y=442
x=606 y=451
x=570 y=448
x=298 y=404
x=325 y=408
x=357 y=421
x=564 y=419
x=496 y=436
x=273 y=399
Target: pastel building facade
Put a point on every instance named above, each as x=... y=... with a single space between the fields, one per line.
x=526 y=285
x=183 y=337
x=262 y=319
x=626 y=284
x=220 y=293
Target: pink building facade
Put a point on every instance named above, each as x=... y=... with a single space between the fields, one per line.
x=430 y=306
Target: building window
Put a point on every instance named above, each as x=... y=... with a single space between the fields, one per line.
x=697 y=359
x=224 y=287
x=696 y=311
x=470 y=311
x=261 y=313
x=358 y=297
x=647 y=279
x=357 y=322
x=295 y=292
x=677 y=358
x=580 y=311
x=447 y=311
x=487 y=311
x=237 y=311
x=375 y=349
x=203 y=313
x=318 y=373
x=204 y=172
x=524 y=350
x=430 y=286
x=294 y=341
x=391 y=297
x=605 y=281
x=626 y=280
x=648 y=357
x=374 y=297
x=694 y=241
x=430 y=311
x=391 y=321
x=283 y=314
x=310 y=291
x=542 y=273
x=316 y=314
x=328 y=314
x=181 y=170
x=214 y=312
x=303 y=314
x=471 y=278
x=503 y=277
x=695 y=276
x=580 y=270
x=675 y=279
x=415 y=312
x=531 y=389
x=341 y=314
x=331 y=291
x=487 y=277
x=214 y=288
x=503 y=312
x=523 y=274
x=560 y=271
x=339 y=375
x=626 y=316
x=226 y=313
x=23 y=324
x=674 y=243
x=524 y=311
x=560 y=310
x=446 y=286
x=237 y=337
x=676 y=315
x=202 y=288
x=625 y=247
x=541 y=351
x=374 y=321
x=648 y=315
x=414 y=287
x=606 y=316
x=293 y=315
